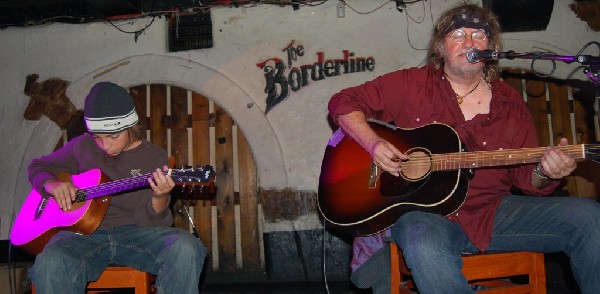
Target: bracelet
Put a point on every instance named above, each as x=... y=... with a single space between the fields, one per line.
x=540 y=173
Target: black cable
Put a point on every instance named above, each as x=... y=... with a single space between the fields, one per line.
x=367 y=12
x=136 y=33
x=538 y=73
x=303 y=261
x=324 y=259
x=320 y=3
x=194 y=231
x=587 y=45
x=408 y=24
x=12 y=276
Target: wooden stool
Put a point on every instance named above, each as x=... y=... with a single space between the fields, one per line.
x=118 y=277
x=487 y=270
x=115 y=277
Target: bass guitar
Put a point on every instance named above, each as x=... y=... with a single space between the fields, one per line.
x=359 y=198
x=41 y=218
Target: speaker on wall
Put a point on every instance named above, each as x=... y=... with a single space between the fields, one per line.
x=521 y=15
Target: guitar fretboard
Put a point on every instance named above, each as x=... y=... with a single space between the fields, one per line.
x=198 y=176
x=113 y=187
x=479 y=159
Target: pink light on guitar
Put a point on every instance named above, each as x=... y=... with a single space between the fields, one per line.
x=39 y=219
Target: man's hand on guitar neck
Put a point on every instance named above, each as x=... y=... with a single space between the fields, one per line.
x=62 y=192
x=554 y=165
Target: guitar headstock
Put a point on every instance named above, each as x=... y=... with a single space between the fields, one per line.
x=193 y=176
x=592 y=151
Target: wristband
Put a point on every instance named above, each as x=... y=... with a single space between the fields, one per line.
x=540 y=173
x=161 y=196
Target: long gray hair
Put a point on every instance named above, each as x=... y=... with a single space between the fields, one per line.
x=446 y=23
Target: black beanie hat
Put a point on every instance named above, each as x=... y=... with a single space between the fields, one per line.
x=109 y=109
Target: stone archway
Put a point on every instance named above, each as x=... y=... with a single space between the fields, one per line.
x=146 y=69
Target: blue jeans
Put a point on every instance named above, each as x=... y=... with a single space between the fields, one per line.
x=432 y=244
x=69 y=261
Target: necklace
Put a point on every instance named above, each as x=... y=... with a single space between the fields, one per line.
x=459 y=98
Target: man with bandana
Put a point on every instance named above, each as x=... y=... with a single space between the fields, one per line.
x=487 y=114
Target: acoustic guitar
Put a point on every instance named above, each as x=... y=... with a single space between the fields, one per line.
x=357 y=197
x=41 y=218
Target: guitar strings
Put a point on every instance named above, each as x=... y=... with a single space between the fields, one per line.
x=436 y=160
x=497 y=155
x=131 y=182
x=137 y=181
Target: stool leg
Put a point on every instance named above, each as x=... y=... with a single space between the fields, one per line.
x=538 y=277
x=395 y=275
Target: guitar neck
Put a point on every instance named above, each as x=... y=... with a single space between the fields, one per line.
x=479 y=159
x=114 y=187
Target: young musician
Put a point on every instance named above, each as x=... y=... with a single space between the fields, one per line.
x=488 y=115
x=136 y=230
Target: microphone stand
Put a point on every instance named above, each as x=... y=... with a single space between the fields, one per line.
x=591 y=63
x=591 y=67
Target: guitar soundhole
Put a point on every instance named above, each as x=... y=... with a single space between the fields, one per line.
x=75 y=206
x=417 y=166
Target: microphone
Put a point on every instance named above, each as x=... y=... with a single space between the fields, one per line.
x=475 y=55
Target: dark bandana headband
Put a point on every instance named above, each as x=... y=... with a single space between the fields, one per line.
x=467 y=20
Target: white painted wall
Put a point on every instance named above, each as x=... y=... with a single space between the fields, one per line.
x=288 y=142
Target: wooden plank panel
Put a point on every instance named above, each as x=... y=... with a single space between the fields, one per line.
x=248 y=205
x=513 y=77
x=560 y=108
x=179 y=124
x=179 y=151
x=596 y=110
x=139 y=99
x=535 y=90
x=559 y=104
x=158 y=111
x=225 y=193
x=201 y=122
x=586 y=179
x=585 y=175
x=584 y=121
x=561 y=120
x=206 y=149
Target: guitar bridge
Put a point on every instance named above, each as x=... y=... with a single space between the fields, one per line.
x=374 y=173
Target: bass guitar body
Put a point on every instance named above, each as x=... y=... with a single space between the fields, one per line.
x=358 y=198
